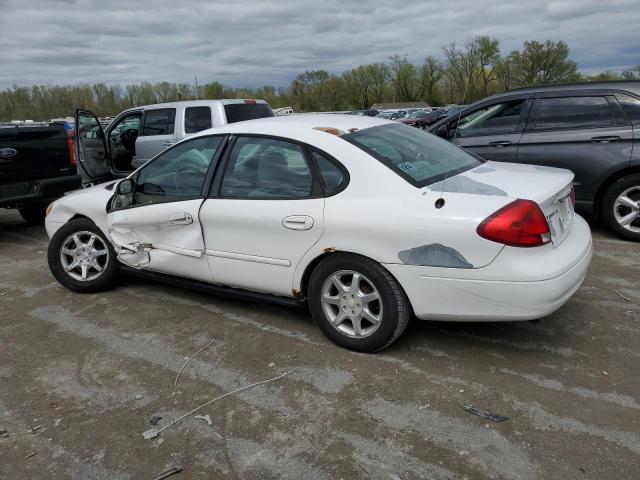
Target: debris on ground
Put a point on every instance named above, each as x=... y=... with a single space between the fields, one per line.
x=138 y=397
x=30 y=455
x=484 y=414
x=189 y=359
x=168 y=473
x=35 y=429
x=3 y=430
x=206 y=418
x=155 y=419
x=153 y=433
x=621 y=295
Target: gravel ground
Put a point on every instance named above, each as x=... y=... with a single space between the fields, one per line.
x=82 y=376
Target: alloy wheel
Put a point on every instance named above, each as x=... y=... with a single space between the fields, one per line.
x=351 y=303
x=626 y=209
x=84 y=256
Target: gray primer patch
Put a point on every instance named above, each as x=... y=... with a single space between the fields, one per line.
x=484 y=170
x=462 y=184
x=434 y=255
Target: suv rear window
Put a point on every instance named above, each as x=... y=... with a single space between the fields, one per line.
x=572 y=112
x=238 y=112
x=159 y=122
x=197 y=119
x=419 y=158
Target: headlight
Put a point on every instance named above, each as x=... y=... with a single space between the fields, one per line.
x=48 y=210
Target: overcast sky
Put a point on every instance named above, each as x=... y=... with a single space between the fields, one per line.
x=252 y=43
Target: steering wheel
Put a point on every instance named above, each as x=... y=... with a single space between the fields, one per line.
x=128 y=138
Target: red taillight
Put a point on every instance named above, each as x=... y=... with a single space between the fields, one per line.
x=519 y=224
x=71 y=148
x=573 y=196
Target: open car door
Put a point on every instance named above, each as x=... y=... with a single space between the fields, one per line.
x=94 y=162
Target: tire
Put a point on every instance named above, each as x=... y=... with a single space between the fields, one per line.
x=613 y=209
x=99 y=250
x=33 y=213
x=391 y=308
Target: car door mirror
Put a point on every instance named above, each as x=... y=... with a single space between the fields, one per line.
x=443 y=131
x=126 y=186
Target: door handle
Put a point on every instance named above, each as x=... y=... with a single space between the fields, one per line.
x=605 y=139
x=182 y=218
x=297 y=222
x=500 y=143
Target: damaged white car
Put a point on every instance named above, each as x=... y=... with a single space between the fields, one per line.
x=366 y=220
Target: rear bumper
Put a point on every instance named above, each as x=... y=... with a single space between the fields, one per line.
x=534 y=283
x=14 y=194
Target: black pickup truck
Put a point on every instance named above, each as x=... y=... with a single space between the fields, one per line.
x=37 y=165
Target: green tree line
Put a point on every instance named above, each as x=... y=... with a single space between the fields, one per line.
x=463 y=73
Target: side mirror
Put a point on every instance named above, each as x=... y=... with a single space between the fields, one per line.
x=126 y=186
x=443 y=131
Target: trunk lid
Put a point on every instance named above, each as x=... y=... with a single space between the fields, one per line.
x=549 y=187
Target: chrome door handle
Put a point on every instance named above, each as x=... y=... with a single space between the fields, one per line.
x=183 y=218
x=297 y=222
x=500 y=144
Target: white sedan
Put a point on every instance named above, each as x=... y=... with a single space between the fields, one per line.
x=365 y=220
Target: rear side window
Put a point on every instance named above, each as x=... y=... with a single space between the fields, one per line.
x=333 y=177
x=572 y=112
x=631 y=107
x=159 y=122
x=238 y=112
x=197 y=119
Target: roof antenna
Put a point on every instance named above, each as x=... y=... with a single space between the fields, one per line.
x=440 y=201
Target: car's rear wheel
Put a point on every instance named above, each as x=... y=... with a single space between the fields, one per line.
x=81 y=258
x=357 y=303
x=620 y=207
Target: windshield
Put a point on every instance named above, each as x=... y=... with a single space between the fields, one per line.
x=418 y=114
x=418 y=157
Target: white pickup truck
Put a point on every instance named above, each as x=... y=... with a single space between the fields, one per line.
x=138 y=134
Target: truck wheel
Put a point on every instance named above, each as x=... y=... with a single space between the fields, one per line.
x=357 y=303
x=620 y=207
x=33 y=213
x=81 y=258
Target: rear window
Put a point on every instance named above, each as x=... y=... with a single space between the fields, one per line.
x=239 y=112
x=418 y=157
x=197 y=119
x=159 y=122
x=572 y=112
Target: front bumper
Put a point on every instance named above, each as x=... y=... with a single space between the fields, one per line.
x=520 y=284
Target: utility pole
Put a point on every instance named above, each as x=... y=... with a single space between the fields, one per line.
x=197 y=92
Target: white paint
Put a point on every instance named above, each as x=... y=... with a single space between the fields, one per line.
x=251 y=243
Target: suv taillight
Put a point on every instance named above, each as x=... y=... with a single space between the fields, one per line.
x=573 y=196
x=71 y=148
x=519 y=224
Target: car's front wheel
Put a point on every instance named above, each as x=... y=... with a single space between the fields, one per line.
x=620 y=207
x=357 y=303
x=81 y=258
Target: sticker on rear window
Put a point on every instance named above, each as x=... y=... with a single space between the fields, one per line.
x=405 y=166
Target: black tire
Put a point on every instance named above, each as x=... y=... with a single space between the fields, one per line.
x=34 y=213
x=105 y=279
x=607 y=206
x=395 y=306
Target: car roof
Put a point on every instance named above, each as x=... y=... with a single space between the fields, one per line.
x=198 y=103
x=306 y=121
x=630 y=85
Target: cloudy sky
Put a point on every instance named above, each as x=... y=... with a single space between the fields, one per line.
x=252 y=43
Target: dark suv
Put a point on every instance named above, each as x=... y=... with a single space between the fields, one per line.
x=592 y=129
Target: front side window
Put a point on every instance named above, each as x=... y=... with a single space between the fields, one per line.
x=266 y=168
x=177 y=174
x=498 y=118
x=572 y=112
x=197 y=119
x=419 y=158
x=159 y=122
